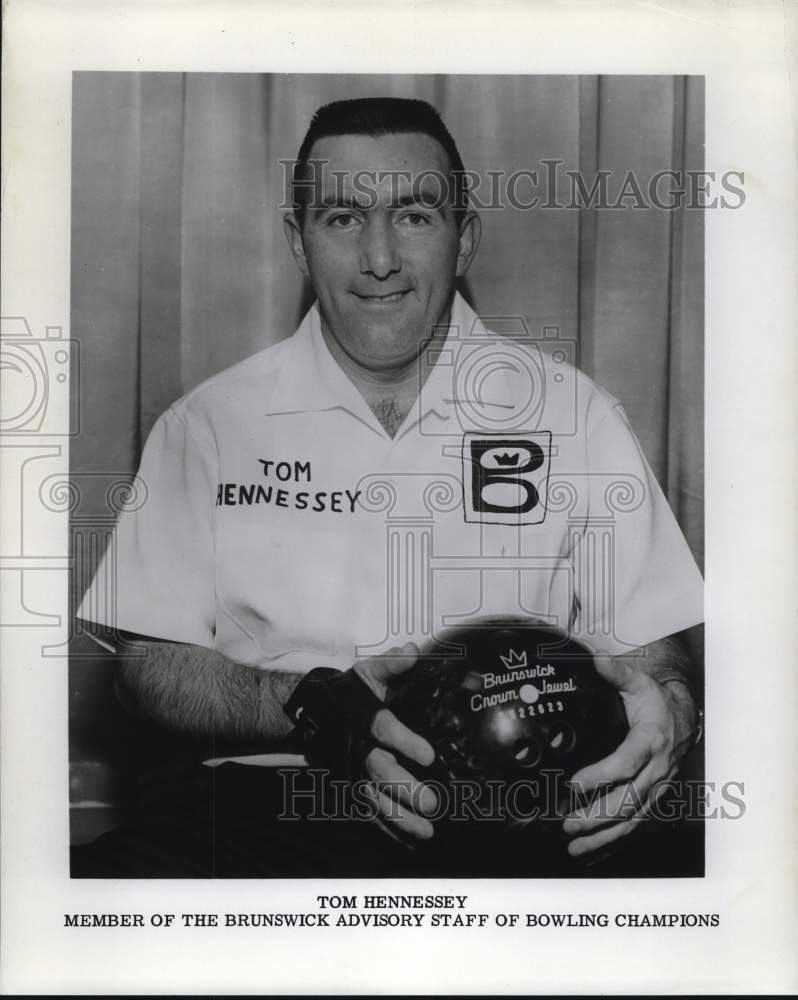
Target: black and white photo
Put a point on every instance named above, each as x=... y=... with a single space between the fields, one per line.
x=396 y=547
x=307 y=523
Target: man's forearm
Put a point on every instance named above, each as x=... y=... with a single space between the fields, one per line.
x=197 y=691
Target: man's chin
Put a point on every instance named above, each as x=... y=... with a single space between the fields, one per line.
x=382 y=364
x=383 y=346
x=378 y=343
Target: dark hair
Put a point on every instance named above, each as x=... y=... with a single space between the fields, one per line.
x=376 y=116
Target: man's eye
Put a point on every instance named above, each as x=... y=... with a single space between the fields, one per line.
x=415 y=219
x=344 y=220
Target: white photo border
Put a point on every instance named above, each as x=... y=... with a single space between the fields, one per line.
x=747 y=52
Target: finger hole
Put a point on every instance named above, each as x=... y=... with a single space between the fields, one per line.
x=527 y=752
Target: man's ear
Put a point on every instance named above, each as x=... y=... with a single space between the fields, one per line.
x=293 y=233
x=470 y=232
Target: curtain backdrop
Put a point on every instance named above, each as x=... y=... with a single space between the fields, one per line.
x=180 y=268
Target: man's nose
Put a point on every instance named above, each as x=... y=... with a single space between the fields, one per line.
x=379 y=248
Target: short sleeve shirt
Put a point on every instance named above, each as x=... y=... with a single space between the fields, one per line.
x=279 y=524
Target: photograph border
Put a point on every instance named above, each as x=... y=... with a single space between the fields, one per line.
x=747 y=53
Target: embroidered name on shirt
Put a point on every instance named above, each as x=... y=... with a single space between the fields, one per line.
x=250 y=494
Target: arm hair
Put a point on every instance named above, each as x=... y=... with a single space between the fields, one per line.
x=199 y=692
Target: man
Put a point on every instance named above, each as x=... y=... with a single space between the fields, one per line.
x=262 y=570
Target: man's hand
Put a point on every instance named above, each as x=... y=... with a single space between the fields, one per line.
x=662 y=721
x=400 y=798
x=340 y=718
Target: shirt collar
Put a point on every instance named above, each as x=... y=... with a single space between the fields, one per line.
x=312 y=381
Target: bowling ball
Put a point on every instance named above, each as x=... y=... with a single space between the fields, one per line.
x=512 y=708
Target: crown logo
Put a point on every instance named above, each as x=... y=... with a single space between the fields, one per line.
x=507 y=459
x=514 y=659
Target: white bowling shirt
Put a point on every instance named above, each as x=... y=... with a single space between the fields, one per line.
x=283 y=527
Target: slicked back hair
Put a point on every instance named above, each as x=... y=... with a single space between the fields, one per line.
x=375 y=117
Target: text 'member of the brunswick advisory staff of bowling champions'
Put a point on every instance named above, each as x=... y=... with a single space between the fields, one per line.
x=263 y=591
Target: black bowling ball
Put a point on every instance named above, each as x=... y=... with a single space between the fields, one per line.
x=512 y=708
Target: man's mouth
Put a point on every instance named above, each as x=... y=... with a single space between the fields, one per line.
x=383 y=299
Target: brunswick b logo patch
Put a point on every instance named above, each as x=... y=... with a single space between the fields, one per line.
x=505 y=477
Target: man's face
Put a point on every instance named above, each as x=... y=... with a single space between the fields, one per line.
x=382 y=260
